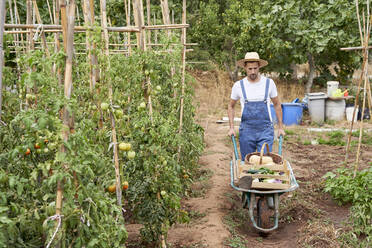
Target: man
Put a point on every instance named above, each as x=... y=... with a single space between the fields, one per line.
x=254 y=93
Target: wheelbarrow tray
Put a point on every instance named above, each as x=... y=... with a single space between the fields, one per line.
x=239 y=169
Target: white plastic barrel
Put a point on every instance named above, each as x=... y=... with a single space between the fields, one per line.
x=316 y=105
x=335 y=109
x=331 y=87
x=349 y=113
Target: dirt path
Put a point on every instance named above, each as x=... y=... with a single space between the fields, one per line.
x=209 y=230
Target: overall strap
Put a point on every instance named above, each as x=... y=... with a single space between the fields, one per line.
x=267 y=88
x=243 y=90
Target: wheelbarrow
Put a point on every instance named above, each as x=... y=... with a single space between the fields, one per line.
x=262 y=199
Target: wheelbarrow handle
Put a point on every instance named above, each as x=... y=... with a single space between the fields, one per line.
x=280 y=145
x=235 y=147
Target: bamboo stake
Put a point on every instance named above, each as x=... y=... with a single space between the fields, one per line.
x=114 y=138
x=366 y=40
x=165 y=13
x=78 y=14
x=50 y=12
x=156 y=31
x=38 y=18
x=15 y=36
x=57 y=46
x=2 y=20
x=148 y=9
x=89 y=46
x=30 y=41
x=68 y=29
x=183 y=41
x=136 y=22
x=363 y=74
x=62 y=7
x=16 y=14
x=127 y=16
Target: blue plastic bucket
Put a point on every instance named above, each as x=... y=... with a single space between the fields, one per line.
x=292 y=113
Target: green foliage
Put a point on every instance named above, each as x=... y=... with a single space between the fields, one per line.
x=357 y=191
x=336 y=138
x=283 y=32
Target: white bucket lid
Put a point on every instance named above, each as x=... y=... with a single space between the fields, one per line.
x=332 y=83
x=317 y=95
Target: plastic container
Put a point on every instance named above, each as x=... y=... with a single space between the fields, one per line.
x=316 y=105
x=331 y=87
x=335 y=109
x=292 y=113
x=349 y=113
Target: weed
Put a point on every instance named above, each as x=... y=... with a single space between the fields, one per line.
x=236 y=242
x=336 y=134
x=289 y=132
x=201 y=183
x=307 y=142
x=196 y=215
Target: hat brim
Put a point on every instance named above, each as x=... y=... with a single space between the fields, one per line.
x=261 y=62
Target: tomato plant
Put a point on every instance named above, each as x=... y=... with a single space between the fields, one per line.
x=153 y=155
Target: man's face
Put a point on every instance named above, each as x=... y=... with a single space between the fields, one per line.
x=252 y=70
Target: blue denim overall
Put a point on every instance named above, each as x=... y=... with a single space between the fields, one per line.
x=256 y=127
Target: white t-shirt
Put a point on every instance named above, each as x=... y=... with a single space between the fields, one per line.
x=254 y=91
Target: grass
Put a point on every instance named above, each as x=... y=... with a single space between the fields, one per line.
x=234 y=220
x=201 y=183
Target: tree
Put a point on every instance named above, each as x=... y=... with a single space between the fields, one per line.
x=283 y=32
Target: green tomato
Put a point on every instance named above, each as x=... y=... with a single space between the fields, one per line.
x=104 y=106
x=125 y=146
x=29 y=96
x=131 y=154
x=52 y=146
x=165 y=162
x=119 y=113
x=163 y=193
x=142 y=105
x=158 y=88
x=46 y=150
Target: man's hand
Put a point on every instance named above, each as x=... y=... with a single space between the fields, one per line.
x=232 y=132
x=281 y=132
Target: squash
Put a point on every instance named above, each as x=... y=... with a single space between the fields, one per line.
x=255 y=159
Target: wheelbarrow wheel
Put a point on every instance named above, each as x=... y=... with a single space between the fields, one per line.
x=263 y=213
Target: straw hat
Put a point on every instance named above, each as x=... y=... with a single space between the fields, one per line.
x=253 y=57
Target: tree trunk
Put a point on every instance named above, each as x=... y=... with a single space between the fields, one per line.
x=233 y=74
x=311 y=72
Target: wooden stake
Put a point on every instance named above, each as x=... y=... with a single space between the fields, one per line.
x=127 y=15
x=92 y=60
x=50 y=12
x=57 y=46
x=165 y=13
x=107 y=76
x=2 y=20
x=38 y=18
x=183 y=41
x=148 y=9
x=364 y=44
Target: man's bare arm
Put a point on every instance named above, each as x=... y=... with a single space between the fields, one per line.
x=279 y=115
x=231 y=113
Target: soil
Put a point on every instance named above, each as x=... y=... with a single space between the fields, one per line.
x=307 y=214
